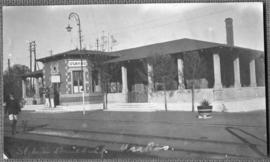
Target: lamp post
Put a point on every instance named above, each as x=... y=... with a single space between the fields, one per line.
x=76 y=17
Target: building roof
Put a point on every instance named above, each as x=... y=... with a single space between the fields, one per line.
x=171 y=47
x=164 y=48
x=34 y=74
x=75 y=53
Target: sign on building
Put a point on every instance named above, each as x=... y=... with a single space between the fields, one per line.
x=76 y=63
x=55 y=78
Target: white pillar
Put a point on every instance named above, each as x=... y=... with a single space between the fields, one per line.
x=124 y=79
x=252 y=69
x=217 y=71
x=150 y=78
x=180 y=67
x=98 y=86
x=23 y=89
x=236 y=67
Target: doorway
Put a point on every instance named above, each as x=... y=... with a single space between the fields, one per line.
x=56 y=89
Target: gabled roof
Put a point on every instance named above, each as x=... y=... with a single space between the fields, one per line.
x=75 y=53
x=170 y=47
x=164 y=48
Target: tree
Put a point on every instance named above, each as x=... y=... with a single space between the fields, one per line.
x=165 y=72
x=106 y=72
x=195 y=68
x=13 y=81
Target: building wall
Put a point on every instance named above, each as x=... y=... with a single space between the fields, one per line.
x=245 y=70
x=227 y=69
x=48 y=70
x=67 y=95
x=69 y=78
x=260 y=71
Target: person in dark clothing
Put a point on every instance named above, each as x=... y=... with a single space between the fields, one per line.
x=13 y=109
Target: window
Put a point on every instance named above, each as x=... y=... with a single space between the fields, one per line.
x=77 y=81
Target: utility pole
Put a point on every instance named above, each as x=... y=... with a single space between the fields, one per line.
x=108 y=45
x=51 y=52
x=35 y=57
x=30 y=50
x=8 y=66
x=97 y=43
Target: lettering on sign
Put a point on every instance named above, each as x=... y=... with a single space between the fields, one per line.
x=77 y=63
x=55 y=78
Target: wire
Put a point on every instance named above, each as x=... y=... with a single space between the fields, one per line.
x=173 y=22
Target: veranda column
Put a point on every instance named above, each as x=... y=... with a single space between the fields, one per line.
x=217 y=71
x=236 y=67
x=124 y=83
x=124 y=79
x=23 y=89
x=98 y=87
x=150 y=78
x=180 y=67
x=252 y=69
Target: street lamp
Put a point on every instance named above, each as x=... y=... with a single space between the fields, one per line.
x=76 y=17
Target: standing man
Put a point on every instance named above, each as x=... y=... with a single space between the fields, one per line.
x=13 y=109
x=47 y=97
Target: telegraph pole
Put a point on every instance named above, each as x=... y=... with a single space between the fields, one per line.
x=97 y=44
x=8 y=66
x=51 y=52
x=30 y=50
x=35 y=57
x=108 y=45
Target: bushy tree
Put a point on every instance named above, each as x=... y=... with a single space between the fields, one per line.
x=13 y=80
x=194 y=69
x=165 y=72
x=107 y=73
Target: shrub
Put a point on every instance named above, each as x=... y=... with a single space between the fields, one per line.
x=205 y=103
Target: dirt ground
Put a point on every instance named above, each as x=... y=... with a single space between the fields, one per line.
x=224 y=136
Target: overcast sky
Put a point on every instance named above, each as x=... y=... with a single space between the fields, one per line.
x=131 y=25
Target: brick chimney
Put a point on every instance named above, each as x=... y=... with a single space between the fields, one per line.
x=229 y=31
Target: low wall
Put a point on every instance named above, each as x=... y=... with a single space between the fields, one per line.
x=226 y=99
x=210 y=94
x=29 y=100
x=181 y=96
x=239 y=93
x=117 y=98
x=67 y=99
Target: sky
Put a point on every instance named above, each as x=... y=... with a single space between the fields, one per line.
x=132 y=25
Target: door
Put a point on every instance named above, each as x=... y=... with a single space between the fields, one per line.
x=56 y=89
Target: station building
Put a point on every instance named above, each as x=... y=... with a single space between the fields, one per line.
x=234 y=73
